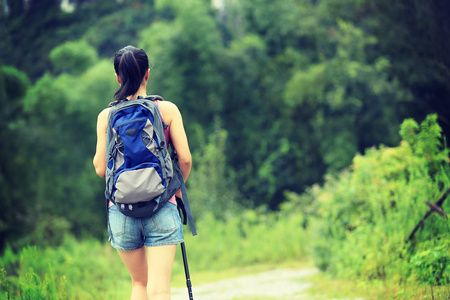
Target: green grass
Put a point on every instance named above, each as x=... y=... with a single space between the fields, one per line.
x=325 y=288
x=89 y=269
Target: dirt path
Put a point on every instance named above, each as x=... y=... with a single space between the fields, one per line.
x=283 y=284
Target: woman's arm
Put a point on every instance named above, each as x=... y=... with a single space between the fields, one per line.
x=99 y=160
x=172 y=117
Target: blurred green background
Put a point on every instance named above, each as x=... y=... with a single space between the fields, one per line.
x=293 y=110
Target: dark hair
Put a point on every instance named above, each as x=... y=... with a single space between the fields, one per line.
x=130 y=63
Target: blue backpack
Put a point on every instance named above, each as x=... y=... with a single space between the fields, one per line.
x=141 y=175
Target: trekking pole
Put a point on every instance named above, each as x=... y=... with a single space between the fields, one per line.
x=186 y=271
x=182 y=212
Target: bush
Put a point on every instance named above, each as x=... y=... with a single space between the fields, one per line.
x=363 y=217
x=74 y=270
x=432 y=264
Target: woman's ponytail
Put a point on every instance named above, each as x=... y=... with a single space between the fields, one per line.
x=131 y=65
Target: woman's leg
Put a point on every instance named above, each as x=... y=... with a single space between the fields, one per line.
x=136 y=263
x=160 y=263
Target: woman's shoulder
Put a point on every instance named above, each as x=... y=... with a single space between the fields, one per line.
x=168 y=105
x=105 y=112
x=103 y=115
x=169 y=110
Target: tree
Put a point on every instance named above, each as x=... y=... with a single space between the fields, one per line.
x=410 y=34
x=61 y=117
x=15 y=168
x=183 y=52
x=73 y=57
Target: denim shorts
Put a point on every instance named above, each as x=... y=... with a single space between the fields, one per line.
x=128 y=233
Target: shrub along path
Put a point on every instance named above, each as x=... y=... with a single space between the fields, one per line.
x=278 y=284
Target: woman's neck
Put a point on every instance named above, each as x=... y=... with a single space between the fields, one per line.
x=141 y=92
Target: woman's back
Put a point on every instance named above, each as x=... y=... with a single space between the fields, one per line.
x=150 y=267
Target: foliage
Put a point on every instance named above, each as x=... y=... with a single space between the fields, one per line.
x=211 y=185
x=346 y=94
x=89 y=269
x=73 y=57
x=277 y=98
x=248 y=238
x=325 y=287
x=183 y=52
x=14 y=193
x=362 y=218
x=329 y=73
x=32 y=28
x=73 y=270
x=120 y=26
x=432 y=265
x=59 y=196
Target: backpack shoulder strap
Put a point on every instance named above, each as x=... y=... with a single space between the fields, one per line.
x=183 y=204
x=152 y=98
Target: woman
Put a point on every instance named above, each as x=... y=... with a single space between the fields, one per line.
x=147 y=246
